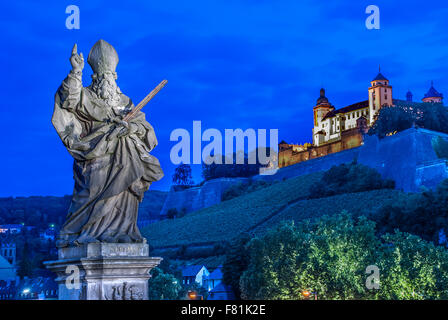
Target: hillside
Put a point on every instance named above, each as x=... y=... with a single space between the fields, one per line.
x=39 y=210
x=258 y=210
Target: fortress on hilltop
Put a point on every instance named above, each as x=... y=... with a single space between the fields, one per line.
x=341 y=129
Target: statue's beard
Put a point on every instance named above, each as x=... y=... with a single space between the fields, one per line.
x=107 y=89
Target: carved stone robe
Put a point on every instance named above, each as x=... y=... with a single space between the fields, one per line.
x=111 y=174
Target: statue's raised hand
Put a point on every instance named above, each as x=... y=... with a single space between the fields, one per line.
x=77 y=60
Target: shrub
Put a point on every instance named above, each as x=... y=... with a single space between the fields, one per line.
x=182 y=175
x=329 y=258
x=423 y=214
x=349 y=178
x=432 y=116
x=163 y=286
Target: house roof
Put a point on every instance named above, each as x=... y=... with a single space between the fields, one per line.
x=433 y=93
x=352 y=107
x=191 y=271
x=7 y=271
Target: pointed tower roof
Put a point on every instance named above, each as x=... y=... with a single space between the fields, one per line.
x=432 y=92
x=409 y=96
x=322 y=98
x=380 y=76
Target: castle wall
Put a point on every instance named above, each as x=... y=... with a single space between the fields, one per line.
x=407 y=157
x=349 y=139
x=196 y=198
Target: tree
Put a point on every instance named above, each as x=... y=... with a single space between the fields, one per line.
x=26 y=265
x=236 y=262
x=432 y=116
x=412 y=269
x=182 y=175
x=163 y=286
x=424 y=214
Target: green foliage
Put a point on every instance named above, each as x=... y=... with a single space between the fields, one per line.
x=424 y=214
x=391 y=119
x=182 y=175
x=360 y=203
x=236 y=262
x=163 y=286
x=261 y=209
x=349 y=178
x=226 y=220
x=432 y=116
x=240 y=189
x=26 y=263
x=330 y=257
x=412 y=269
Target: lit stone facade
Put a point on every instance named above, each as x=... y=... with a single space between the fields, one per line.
x=340 y=129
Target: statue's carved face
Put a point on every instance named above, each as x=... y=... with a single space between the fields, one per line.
x=106 y=88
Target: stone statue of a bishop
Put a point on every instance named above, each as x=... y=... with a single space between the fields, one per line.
x=112 y=166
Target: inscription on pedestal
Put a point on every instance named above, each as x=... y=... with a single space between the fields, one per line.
x=107 y=271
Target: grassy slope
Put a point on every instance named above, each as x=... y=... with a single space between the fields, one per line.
x=226 y=220
x=259 y=210
x=355 y=203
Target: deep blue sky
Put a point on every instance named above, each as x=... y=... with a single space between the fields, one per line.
x=232 y=64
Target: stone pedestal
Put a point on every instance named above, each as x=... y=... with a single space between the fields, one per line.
x=103 y=271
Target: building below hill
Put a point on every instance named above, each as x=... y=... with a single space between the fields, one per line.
x=340 y=129
x=7 y=270
x=39 y=288
x=194 y=273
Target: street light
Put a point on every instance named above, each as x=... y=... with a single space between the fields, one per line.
x=307 y=294
x=192 y=295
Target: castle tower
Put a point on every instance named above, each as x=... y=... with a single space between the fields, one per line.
x=409 y=96
x=433 y=95
x=322 y=107
x=380 y=94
